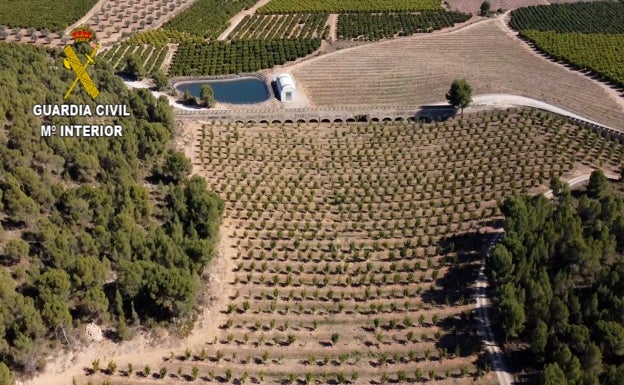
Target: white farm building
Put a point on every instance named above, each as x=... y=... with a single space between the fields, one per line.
x=286 y=87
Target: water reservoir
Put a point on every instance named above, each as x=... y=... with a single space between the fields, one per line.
x=247 y=90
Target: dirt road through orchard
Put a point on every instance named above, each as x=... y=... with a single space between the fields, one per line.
x=234 y=21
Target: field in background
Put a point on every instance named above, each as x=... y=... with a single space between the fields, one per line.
x=207 y=18
x=43 y=14
x=424 y=66
x=291 y=26
x=375 y=26
x=339 y=6
x=587 y=36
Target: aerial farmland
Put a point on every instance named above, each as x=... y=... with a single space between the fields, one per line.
x=313 y=192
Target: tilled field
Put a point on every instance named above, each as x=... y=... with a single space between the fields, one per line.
x=354 y=247
x=419 y=70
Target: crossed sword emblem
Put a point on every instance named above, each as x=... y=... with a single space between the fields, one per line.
x=72 y=62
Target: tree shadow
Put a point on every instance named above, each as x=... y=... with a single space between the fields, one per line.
x=462 y=272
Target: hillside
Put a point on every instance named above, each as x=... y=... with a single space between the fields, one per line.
x=104 y=230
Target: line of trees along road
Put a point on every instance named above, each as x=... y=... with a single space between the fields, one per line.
x=558 y=274
x=110 y=230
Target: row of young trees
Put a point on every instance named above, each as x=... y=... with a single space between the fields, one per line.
x=107 y=229
x=150 y=57
x=557 y=273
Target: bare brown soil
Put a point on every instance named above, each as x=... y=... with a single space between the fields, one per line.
x=419 y=70
x=473 y=6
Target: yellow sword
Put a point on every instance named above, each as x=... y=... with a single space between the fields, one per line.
x=72 y=62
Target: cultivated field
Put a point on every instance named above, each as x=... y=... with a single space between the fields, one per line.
x=112 y=21
x=353 y=247
x=53 y=15
x=118 y=19
x=425 y=66
x=473 y=6
x=291 y=26
x=151 y=57
x=376 y=26
x=339 y=6
x=587 y=36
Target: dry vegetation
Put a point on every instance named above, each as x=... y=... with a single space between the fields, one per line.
x=354 y=246
x=491 y=60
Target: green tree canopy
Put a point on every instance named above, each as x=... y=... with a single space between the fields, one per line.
x=177 y=166
x=502 y=264
x=188 y=98
x=460 y=94
x=6 y=377
x=511 y=312
x=206 y=94
x=134 y=66
x=485 y=8
x=553 y=375
x=597 y=184
x=160 y=80
x=539 y=337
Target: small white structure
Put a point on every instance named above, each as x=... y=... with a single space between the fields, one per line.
x=286 y=87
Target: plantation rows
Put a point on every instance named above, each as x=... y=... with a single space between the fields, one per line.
x=292 y=26
x=583 y=17
x=160 y=37
x=365 y=26
x=600 y=53
x=117 y=20
x=350 y=260
x=339 y=234
x=53 y=15
x=151 y=57
x=342 y=6
x=240 y=56
x=207 y=18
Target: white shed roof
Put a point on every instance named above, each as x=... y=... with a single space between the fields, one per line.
x=285 y=80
